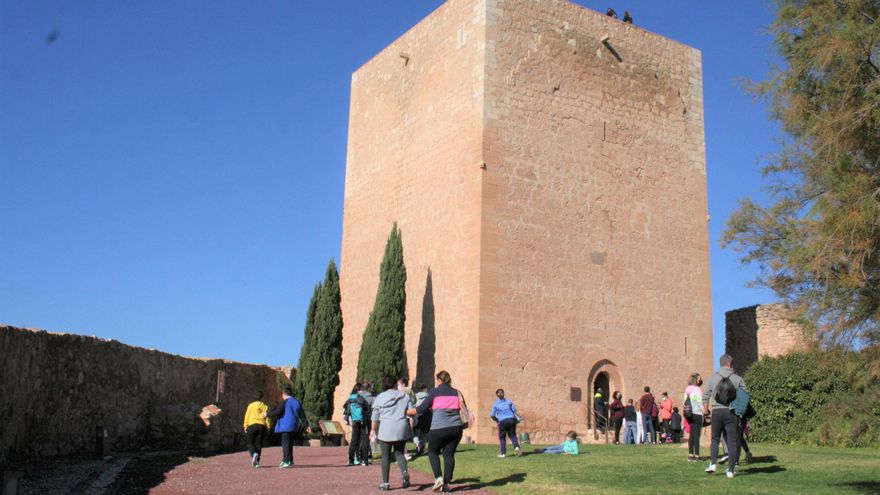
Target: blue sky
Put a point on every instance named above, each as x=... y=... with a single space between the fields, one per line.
x=172 y=172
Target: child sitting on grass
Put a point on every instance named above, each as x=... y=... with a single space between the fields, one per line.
x=569 y=446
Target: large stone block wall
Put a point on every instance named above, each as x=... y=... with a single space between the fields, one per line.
x=55 y=389
x=761 y=330
x=551 y=191
x=595 y=248
x=414 y=158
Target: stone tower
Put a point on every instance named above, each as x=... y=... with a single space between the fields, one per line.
x=546 y=166
x=761 y=330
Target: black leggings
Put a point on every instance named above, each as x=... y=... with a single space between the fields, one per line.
x=255 y=435
x=444 y=440
x=618 y=422
x=360 y=443
x=696 y=423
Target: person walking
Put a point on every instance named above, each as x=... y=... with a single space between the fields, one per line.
x=391 y=428
x=647 y=405
x=290 y=417
x=693 y=415
x=719 y=393
x=504 y=413
x=356 y=412
x=422 y=421
x=445 y=404
x=256 y=425
x=617 y=414
x=367 y=393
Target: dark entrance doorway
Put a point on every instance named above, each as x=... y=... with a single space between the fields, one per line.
x=602 y=381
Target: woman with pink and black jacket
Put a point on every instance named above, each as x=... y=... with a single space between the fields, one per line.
x=444 y=402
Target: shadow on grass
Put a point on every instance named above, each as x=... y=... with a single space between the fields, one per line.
x=763 y=459
x=872 y=487
x=764 y=470
x=477 y=483
x=149 y=472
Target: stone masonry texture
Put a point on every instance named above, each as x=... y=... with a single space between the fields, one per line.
x=550 y=188
x=56 y=389
x=762 y=330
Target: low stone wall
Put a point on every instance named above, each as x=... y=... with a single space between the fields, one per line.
x=57 y=389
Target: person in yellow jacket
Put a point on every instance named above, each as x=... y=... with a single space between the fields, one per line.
x=256 y=424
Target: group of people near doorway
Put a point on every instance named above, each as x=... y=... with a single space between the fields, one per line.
x=645 y=421
x=439 y=416
x=724 y=404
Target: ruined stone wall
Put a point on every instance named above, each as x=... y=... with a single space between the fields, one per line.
x=55 y=389
x=762 y=330
x=741 y=337
x=595 y=248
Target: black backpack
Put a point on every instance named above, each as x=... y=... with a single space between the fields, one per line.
x=688 y=409
x=725 y=391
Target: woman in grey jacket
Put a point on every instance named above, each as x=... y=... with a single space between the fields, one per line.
x=391 y=427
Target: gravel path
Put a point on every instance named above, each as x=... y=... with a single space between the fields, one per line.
x=317 y=471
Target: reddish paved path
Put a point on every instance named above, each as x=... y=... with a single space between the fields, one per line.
x=317 y=471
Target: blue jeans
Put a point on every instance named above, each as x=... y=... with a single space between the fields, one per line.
x=629 y=432
x=648 y=423
x=556 y=449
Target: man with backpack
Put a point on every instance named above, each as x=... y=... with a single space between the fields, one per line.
x=356 y=412
x=720 y=392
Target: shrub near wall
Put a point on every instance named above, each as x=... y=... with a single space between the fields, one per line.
x=824 y=398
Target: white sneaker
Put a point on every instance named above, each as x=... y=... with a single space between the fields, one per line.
x=517 y=451
x=502 y=456
x=730 y=474
x=254 y=461
x=711 y=469
x=723 y=459
x=438 y=484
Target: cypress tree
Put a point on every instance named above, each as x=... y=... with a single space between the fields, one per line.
x=304 y=367
x=325 y=350
x=382 y=349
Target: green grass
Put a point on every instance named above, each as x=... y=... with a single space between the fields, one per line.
x=664 y=469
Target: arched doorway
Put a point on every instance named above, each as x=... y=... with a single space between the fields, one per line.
x=604 y=375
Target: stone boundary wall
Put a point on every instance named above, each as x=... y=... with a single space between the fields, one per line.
x=761 y=330
x=57 y=389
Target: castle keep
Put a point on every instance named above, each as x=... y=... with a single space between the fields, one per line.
x=546 y=167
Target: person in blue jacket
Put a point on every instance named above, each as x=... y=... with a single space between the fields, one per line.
x=504 y=413
x=290 y=418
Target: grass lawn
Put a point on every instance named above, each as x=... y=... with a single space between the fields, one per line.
x=664 y=469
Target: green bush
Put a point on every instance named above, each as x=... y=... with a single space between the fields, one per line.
x=821 y=398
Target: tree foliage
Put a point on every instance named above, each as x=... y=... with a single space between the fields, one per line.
x=304 y=367
x=382 y=349
x=821 y=398
x=321 y=353
x=818 y=244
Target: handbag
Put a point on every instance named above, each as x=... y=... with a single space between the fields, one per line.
x=467 y=418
